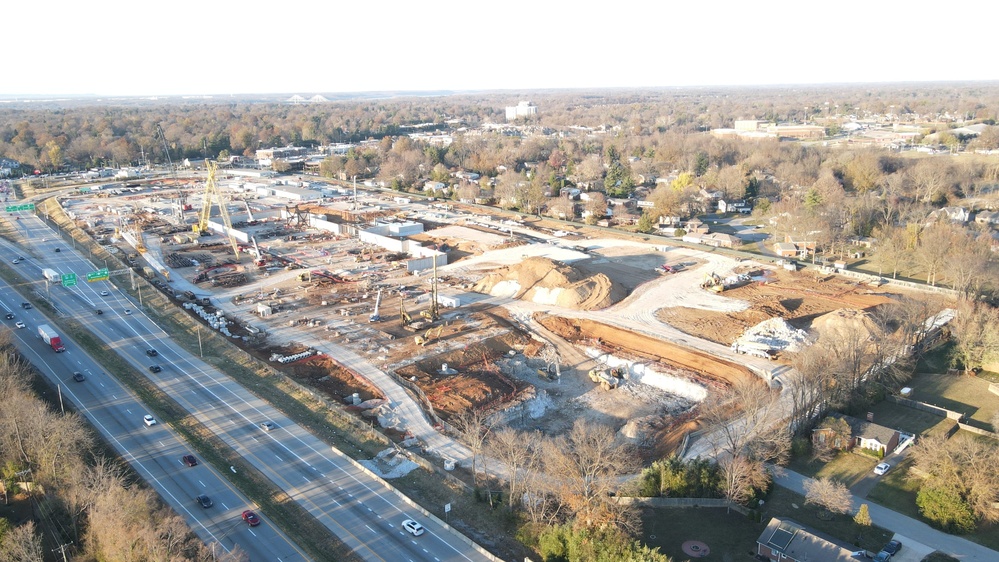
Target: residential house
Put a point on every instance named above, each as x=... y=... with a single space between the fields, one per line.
x=719 y=240
x=696 y=226
x=863 y=434
x=785 y=540
x=693 y=237
x=710 y=196
x=953 y=214
x=785 y=249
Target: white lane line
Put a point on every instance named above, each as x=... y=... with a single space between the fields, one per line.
x=224 y=506
x=161 y=444
x=202 y=484
x=251 y=532
x=369 y=528
x=279 y=458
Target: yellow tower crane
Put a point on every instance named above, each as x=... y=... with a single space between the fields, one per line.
x=212 y=193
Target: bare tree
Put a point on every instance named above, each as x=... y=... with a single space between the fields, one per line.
x=742 y=476
x=829 y=494
x=976 y=334
x=519 y=453
x=22 y=544
x=473 y=429
x=584 y=465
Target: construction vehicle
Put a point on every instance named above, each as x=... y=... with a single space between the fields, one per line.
x=212 y=193
x=403 y=315
x=713 y=282
x=665 y=268
x=260 y=261
x=758 y=349
x=433 y=313
x=606 y=380
x=375 y=317
x=431 y=335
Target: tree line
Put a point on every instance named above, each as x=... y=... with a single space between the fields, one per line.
x=78 y=496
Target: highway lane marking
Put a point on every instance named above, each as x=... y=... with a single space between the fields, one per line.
x=251 y=532
x=202 y=484
x=224 y=506
x=161 y=444
x=279 y=458
x=369 y=528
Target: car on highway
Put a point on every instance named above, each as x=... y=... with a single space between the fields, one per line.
x=99 y=312
x=205 y=501
x=16 y=261
x=79 y=377
x=251 y=518
x=189 y=460
x=148 y=420
x=128 y=311
x=105 y=293
x=10 y=316
x=267 y=426
x=26 y=305
x=412 y=527
x=882 y=468
x=58 y=250
x=155 y=368
x=152 y=352
x=19 y=324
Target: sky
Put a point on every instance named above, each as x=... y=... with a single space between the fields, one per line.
x=307 y=47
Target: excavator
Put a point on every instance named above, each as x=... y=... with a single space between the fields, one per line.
x=431 y=335
x=406 y=318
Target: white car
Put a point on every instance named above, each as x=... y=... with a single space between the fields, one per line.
x=882 y=468
x=412 y=527
x=105 y=293
x=19 y=324
x=149 y=420
x=128 y=311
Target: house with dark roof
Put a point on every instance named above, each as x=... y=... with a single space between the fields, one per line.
x=785 y=540
x=864 y=434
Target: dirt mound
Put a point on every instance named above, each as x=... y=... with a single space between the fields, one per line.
x=546 y=281
x=854 y=325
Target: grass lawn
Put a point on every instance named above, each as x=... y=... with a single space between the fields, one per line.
x=846 y=468
x=785 y=503
x=909 y=420
x=960 y=393
x=730 y=536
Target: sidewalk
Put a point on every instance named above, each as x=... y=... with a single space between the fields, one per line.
x=958 y=547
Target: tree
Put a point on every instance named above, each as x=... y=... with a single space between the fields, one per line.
x=975 y=331
x=584 y=465
x=473 y=429
x=519 y=453
x=833 y=496
x=596 y=206
x=646 y=223
x=22 y=544
x=961 y=486
x=863 y=516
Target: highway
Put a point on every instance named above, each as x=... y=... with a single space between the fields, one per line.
x=359 y=508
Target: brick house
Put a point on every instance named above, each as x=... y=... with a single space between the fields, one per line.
x=786 y=540
x=863 y=434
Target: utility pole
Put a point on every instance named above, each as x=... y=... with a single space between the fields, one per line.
x=62 y=550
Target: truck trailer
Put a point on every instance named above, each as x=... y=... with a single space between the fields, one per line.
x=51 y=274
x=50 y=337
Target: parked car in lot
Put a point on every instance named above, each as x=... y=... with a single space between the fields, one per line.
x=892 y=547
x=882 y=556
x=882 y=468
x=412 y=527
x=251 y=518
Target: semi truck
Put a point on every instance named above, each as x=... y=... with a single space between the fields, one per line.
x=51 y=274
x=50 y=337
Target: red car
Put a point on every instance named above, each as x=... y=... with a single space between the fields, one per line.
x=251 y=518
x=189 y=460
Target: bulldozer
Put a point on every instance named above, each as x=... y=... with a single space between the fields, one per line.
x=431 y=335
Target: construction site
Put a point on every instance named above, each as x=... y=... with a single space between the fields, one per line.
x=473 y=312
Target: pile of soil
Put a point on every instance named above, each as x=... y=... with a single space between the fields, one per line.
x=848 y=324
x=547 y=281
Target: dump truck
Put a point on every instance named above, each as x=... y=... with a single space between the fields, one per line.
x=50 y=337
x=51 y=274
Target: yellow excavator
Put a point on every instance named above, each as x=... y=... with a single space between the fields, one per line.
x=431 y=335
x=713 y=282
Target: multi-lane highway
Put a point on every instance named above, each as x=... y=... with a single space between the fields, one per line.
x=359 y=508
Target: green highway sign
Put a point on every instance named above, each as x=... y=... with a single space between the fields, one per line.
x=99 y=275
x=25 y=207
x=68 y=279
